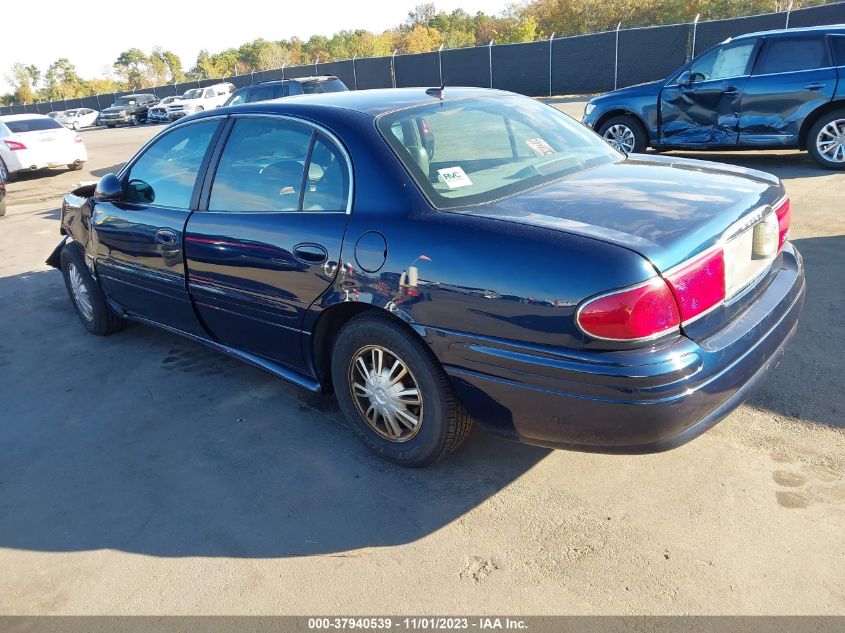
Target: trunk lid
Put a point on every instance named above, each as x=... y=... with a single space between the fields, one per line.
x=666 y=209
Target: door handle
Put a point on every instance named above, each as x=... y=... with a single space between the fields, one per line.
x=310 y=253
x=730 y=90
x=814 y=86
x=167 y=241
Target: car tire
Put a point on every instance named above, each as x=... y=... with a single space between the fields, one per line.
x=442 y=423
x=133 y=121
x=109 y=126
x=76 y=166
x=828 y=134
x=75 y=125
x=625 y=133
x=5 y=174
x=85 y=295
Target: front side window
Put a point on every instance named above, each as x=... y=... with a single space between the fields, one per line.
x=166 y=172
x=471 y=151
x=783 y=55
x=730 y=60
x=239 y=97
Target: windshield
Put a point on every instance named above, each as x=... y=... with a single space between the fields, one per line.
x=471 y=151
x=71 y=113
x=121 y=101
x=32 y=125
x=167 y=100
x=195 y=93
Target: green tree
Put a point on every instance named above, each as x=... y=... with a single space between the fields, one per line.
x=131 y=65
x=24 y=79
x=62 y=81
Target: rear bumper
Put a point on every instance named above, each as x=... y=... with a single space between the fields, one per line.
x=59 y=155
x=639 y=401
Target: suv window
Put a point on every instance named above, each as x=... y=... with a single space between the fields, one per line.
x=730 y=60
x=837 y=43
x=238 y=97
x=209 y=93
x=783 y=55
x=262 y=167
x=316 y=87
x=166 y=172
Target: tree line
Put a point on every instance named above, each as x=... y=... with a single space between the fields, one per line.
x=425 y=29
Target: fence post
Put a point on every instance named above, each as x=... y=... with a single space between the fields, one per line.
x=694 y=31
x=283 y=69
x=490 y=59
x=354 y=73
x=315 y=66
x=440 y=63
x=788 y=11
x=393 y=68
x=551 y=42
x=99 y=107
x=616 y=59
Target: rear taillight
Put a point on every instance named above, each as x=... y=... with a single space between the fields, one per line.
x=642 y=312
x=698 y=284
x=14 y=145
x=784 y=213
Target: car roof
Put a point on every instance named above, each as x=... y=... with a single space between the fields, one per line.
x=369 y=102
x=24 y=117
x=828 y=28
x=308 y=79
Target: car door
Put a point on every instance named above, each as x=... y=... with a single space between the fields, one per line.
x=137 y=241
x=700 y=105
x=793 y=75
x=267 y=244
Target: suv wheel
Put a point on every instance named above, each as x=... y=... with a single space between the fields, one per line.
x=826 y=140
x=625 y=133
x=395 y=395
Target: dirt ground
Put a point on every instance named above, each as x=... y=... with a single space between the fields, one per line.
x=144 y=474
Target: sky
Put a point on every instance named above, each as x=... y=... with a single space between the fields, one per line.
x=92 y=34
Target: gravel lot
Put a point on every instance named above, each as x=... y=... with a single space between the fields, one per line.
x=144 y=474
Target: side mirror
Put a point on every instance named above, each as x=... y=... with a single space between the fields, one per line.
x=684 y=79
x=109 y=189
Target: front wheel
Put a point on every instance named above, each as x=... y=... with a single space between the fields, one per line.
x=76 y=166
x=75 y=125
x=826 y=140
x=86 y=296
x=395 y=395
x=625 y=133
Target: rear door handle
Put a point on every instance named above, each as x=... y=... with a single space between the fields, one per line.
x=814 y=86
x=730 y=90
x=310 y=253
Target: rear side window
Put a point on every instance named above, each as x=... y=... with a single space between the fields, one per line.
x=327 y=188
x=32 y=125
x=261 y=93
x=837 y=43
x=166 y=173
x=783 y=55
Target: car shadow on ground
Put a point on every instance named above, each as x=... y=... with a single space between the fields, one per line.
x=148 y=443
x=813 y=366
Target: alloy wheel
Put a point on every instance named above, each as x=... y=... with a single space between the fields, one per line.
x=621 y=137
x=386 y=393
x=80 y=292
x=830 y=141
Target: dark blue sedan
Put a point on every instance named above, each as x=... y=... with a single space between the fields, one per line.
x=437 y=259
x=772 y=90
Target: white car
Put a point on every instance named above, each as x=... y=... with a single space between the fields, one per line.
x=78 y=118
x=34 y=141
x=159 y=111
x=199 y=99
x=55 y=114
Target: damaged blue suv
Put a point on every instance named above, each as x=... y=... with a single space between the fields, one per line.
x=771 y=90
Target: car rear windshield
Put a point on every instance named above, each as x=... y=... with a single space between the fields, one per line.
x=474 y=150
x=318 y=87
x=32 y=125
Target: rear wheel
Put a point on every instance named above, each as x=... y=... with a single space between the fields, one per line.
x=76 y=166
x=625 y=133
x=86 y=296
x=5 y=176
x=826 y=140
x=395 y=395
x=75 y=125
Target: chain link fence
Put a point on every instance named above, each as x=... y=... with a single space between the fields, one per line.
x=580 y=64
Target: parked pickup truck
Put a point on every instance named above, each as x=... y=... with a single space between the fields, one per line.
x=128 y=110
x=199 y=99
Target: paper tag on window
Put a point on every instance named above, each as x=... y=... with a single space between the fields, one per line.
x=454 y=177
x=540 y=147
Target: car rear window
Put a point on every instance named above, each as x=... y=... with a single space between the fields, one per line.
x=475 y=150
x=783 y=55
x=318 y=87
x=32 y=125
